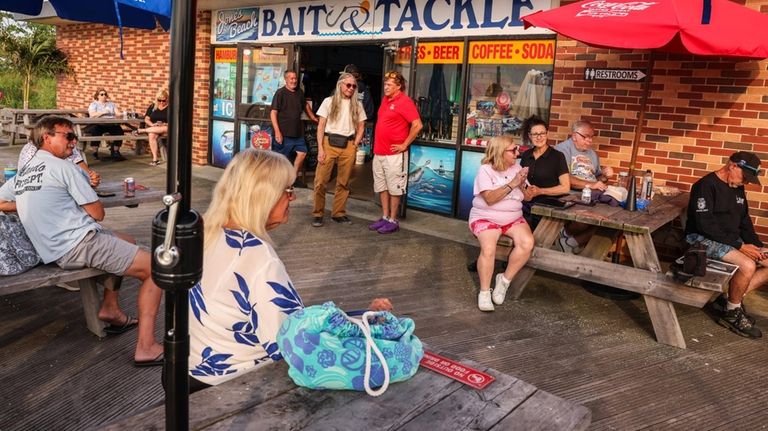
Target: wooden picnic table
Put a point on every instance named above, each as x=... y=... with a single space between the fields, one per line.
x=18 y=122
x=645 y=278
x=266 y=398
x=119 y=199
x=132 y=123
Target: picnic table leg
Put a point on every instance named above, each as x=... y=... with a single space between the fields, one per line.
x=544 y=236
x=89 y=293
x=662 y=312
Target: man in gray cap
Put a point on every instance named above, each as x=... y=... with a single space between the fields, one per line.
x=363 y=92
x=718 y=218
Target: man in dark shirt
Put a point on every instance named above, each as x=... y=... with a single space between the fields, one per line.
x=287 y=105
x=718 y=218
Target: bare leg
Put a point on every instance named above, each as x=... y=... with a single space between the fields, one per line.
x=485 y=262
x=747 y=278
x=298 y=161
x=149 y=302
x=394 y=204
x=153 y=145
x=385 y=199
x=523 y=245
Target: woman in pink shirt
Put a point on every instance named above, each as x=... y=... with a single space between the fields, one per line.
x=497 y=209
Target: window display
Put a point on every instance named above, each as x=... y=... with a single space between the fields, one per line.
x=508 y=82
x=262 y=74
x=438 y=89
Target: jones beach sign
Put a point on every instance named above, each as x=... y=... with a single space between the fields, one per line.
x=377 y=19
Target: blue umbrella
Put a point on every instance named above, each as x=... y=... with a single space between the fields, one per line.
x=124 y=13
x=185 y=268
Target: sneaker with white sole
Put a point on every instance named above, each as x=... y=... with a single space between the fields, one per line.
x=484 y=302
x=736 y=321
x=500 y=289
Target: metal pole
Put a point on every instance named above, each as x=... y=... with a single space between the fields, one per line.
x=179 y=180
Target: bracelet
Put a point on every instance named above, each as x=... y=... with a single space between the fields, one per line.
x=510 y=188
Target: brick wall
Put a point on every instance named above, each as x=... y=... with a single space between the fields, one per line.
x=700 y=110
x=94 y=52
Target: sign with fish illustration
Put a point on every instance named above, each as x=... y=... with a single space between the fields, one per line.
x=431 y=174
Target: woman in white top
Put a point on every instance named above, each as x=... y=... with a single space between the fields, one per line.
x=29 y=149
x=102 y=107
x=245 y=293
x=497 y=209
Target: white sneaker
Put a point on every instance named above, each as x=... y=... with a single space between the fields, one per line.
x=500 y=290
x=484 y=302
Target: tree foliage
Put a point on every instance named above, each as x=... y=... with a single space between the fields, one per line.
x=29 y=51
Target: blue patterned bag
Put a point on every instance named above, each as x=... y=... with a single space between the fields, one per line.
x=326 y=349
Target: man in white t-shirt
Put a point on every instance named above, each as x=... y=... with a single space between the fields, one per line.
x=72 y=237
x=339 y=132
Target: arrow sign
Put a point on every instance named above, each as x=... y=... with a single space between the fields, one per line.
x=613 y=74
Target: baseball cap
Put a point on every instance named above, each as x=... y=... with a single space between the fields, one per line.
x=749 y=164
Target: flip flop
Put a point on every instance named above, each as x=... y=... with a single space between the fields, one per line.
x=158 y=361
x=125 y=327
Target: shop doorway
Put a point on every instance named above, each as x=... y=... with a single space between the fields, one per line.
x=320 y=66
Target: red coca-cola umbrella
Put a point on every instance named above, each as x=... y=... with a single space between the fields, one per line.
x=699 y=27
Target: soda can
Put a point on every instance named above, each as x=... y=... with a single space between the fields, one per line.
x=129 y=187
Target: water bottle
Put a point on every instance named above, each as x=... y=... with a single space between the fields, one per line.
x=647 y=190
x=125 y=115
x=586 y=195
x=623 y=179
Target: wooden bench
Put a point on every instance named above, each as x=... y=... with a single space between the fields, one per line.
x=659 y=291
x=50 y=275
x=266 y=398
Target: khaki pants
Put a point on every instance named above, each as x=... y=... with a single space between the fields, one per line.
x=343 y=158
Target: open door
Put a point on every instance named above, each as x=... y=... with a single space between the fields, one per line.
x=260 y=70
x=400 y=56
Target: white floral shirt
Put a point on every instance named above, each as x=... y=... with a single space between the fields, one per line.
x=237 y=308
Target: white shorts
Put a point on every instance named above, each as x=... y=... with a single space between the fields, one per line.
x=390 y=173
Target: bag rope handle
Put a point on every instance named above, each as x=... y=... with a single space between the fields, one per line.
x=370 y=345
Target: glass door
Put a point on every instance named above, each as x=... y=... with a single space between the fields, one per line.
x=260 y=72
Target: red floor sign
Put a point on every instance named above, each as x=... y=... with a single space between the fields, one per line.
x=456 y=370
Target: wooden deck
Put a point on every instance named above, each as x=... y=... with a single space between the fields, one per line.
x=592 y=351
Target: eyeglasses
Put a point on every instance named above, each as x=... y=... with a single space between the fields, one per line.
x=102 y=94
x=513 y=150
x=538 y=135
x=583 y=136
x=744 y=165
x=350 y=85
x=71 y=136
x=290 y=191
x=162 y=100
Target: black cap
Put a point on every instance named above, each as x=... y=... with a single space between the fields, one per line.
x=749 y=164
x=351 y=68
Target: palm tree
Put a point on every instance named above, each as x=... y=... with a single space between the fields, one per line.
x=30 y=51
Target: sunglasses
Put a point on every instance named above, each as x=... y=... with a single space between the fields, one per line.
x=744 y=165
x=392 y=75
x=350 y=85
x=71 y=136
x=290 y=191
x=587 y=137
x=102 y=94
x=162 y=100
x=538 y=135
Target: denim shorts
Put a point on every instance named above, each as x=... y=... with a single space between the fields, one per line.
x=290 y=145
x=715 y=250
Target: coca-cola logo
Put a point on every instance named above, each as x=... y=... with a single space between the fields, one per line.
x=605 y=9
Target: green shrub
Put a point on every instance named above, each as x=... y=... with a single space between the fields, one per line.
x=43 y=94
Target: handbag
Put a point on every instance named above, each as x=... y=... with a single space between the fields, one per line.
x=338 y=141
x=17 y=254
x=327 y=349
x=692 y=264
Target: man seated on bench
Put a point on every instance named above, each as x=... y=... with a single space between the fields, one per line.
x=718 y=218
x=60 y=210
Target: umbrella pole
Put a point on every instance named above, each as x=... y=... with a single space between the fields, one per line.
x=641 y=114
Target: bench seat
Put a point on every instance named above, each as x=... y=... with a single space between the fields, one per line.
x=51 y=275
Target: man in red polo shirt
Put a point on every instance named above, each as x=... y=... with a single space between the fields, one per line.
x=397 y=126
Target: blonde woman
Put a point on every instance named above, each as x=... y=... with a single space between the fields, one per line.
x=497 y=209
x=156 y=120
x=245 y=293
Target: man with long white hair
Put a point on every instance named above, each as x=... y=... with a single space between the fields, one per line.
x=339 y=132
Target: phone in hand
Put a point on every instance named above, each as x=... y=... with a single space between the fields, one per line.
x=104 y=194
